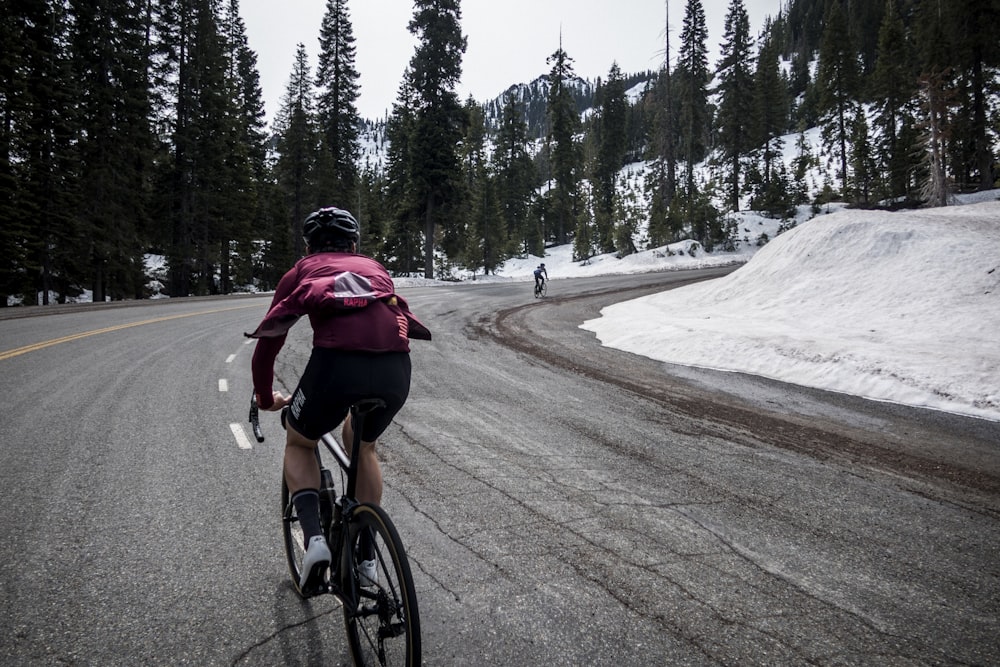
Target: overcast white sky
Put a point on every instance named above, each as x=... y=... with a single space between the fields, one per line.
x=508 y=40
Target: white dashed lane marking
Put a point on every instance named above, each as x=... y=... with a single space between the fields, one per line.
x=242 y=441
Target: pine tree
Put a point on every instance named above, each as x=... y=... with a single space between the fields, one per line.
x=863 y=167
x=628 y=213
x=218 y=167
x=435 y=69
x=803 y=162
x=838 y=81
x=802 y=91
x=372 y=213
x=661 y=178
x=937 y=95
x=977 y=54
x=173 y=104
x=565 y=155
x=194 y=98
x=736 y=96
x=770 y=119
x=275 y=250
x=338 y=90
x=484 y=242
x=694 y=115
x=251 y=187
x=298 y=143
x=583 y=234
x=16 y=229
x=516 y=180
x=693 y=75
x=248 y=95
x=402 y=243
x=610 y=156
x=893 y=88
x=49 y=162
x=110 y=63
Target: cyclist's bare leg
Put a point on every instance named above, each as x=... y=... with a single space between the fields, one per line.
x=303 y=479
x=369 y=489
x=301 y=467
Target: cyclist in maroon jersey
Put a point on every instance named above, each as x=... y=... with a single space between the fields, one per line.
x=361 y=332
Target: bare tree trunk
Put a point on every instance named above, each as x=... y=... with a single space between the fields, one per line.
x=979 y=125
x=429 y=239
x=935 y=190
x=669 y=148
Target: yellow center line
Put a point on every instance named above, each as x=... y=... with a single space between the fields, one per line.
x=84 y=334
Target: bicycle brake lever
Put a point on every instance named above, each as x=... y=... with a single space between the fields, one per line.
x=255 y=420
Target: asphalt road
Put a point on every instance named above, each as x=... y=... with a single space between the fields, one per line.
x=563 y=504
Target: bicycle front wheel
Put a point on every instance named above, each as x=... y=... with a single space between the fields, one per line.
x=295 y=548
x=383 y=628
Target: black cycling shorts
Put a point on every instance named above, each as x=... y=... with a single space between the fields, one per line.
x=335 y=379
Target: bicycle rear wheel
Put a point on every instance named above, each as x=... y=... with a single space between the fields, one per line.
x=383 y=628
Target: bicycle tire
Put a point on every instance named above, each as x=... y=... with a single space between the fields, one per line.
x=291 y=530
x=383 y=626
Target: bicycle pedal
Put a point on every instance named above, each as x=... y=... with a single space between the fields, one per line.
x=314 y=590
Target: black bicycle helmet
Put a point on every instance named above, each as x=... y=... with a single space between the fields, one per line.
x=330 y=226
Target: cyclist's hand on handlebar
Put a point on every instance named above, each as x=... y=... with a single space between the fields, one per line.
x=280 y=401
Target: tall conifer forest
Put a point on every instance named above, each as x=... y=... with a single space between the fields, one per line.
x=136 y=128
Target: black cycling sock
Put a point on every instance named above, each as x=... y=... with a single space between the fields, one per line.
x=366 y=545
x=306 y=503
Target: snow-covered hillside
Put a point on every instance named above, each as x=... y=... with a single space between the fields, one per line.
x=901 y=307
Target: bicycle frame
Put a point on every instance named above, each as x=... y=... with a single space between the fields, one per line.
x=349 y=464
x=344 y=505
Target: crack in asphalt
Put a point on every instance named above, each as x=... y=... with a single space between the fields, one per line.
x=277 y=633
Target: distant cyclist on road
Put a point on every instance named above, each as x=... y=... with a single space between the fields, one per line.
x=360 y=350
x=539 y=272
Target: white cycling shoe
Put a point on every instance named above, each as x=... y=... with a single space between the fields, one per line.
x=314 y=564
x=367 y=573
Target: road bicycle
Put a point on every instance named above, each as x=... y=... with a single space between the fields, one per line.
x=540 y=289
x=380 y=614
